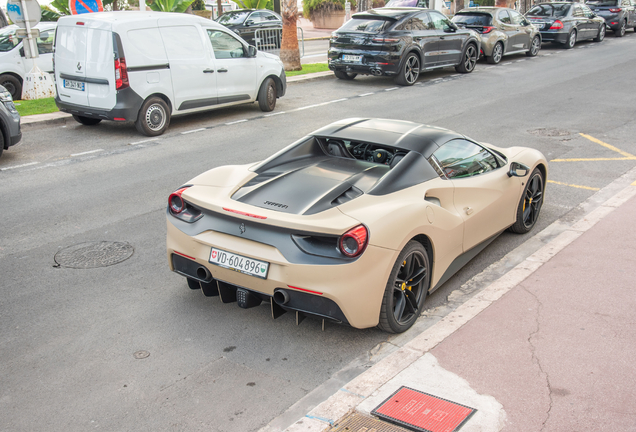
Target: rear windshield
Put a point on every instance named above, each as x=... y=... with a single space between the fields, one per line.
x=548 y=10
x=602 y=2
x=408 y=3
x=232 y=18
x=473 y=19
x=367 y=25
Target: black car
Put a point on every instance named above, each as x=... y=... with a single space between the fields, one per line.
x=619 y=15
x=401 y=42
x=10 y=133
x=566 y=23
x=245 y=22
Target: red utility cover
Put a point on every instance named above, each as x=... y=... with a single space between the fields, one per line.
x=423 y=412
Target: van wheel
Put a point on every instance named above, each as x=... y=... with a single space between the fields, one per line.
x=86 y=121
x=267 y=95
x=13 y=85
x=154 y=117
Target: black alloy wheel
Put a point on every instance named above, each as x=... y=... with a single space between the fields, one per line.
x=406 y=289
x=410 y=71
x=344 y=75
x=620 y=31
x=497 y=54
x=469 y=60
x=569 y=44
x=535 y=46
x=530 y=205
x=601 y=33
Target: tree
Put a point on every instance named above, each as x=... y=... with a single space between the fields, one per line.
x=254 y=4
x=289 y=52
x=170 y=5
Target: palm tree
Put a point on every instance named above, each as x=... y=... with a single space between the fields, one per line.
x=289 y=52
x=170 y=5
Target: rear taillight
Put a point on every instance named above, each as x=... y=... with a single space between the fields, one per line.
x=181 y=209
x=385 y=40
x=615 y=10
x=487 y=29
x=121 y=74
x=353 y=242
x=557 y=25
x=175 y=202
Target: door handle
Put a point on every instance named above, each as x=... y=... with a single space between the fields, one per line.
x=208 y=71
x=221 y=70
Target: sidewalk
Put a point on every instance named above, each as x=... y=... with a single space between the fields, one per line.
x=547 y=347
x=311 y=33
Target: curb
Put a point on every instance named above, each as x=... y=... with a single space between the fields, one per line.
x=345 y=401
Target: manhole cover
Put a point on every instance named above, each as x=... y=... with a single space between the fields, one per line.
x=549 y=132
x=94 y=254
x=357 y=422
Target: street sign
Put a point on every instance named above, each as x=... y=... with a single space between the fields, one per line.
x=22 y=33
x=17 y=13
x=78 y=7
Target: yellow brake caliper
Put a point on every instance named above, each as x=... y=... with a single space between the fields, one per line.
x=404 y=286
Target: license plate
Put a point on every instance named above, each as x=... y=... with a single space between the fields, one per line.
x=351 y=58
x=239 y=263
x=73 y=85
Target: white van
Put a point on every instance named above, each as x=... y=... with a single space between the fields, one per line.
x=148 y=66
x=14 y=66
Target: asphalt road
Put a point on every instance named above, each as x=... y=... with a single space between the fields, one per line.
x=69 y=336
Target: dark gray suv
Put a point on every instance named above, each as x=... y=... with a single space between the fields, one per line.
x=619 y=15
x=9 y=121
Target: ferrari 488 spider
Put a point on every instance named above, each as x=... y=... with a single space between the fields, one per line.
x=355 y=223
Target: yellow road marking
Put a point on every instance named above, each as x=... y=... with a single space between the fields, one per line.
x=609 y=146
x=592 y=159
x=576 y=186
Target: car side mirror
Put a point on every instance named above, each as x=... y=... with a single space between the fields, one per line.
x=249 y=23
x=518 y=170
x=251 y=51
x=450 y=28
x=22 y=52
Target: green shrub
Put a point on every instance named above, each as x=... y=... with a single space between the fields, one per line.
x=312 y=6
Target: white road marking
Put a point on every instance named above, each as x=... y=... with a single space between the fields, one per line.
x=235 y=122
x=19 y=166
x=391 y=89
x=506 y=64
x=320 y=104
x=87 y=152
x=143 y=141
x=274 y=114
x=451 y=76
x=366 y=94
x=193 y=131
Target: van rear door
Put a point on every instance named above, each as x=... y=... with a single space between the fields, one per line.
x=100 y=69
x=70 y=62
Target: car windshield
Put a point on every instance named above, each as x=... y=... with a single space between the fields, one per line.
x=473 y=19
x=367 y=25
x=232 y=18
x=8 y=39
x=548 y=10
x=408 y=3
x=602 y=2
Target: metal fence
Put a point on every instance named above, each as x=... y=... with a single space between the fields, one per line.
x=270 y=40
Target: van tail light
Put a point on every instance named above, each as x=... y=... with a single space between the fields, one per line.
x=557 y=25
x=487 y=29
x=615 y=10
x=121 y=74
x=354 y=242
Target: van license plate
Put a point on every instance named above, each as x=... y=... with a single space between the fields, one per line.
x=239 y=263
x=73 y=85
x=352 y=58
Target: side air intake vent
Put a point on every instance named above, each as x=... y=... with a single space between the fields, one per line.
x=347 y=196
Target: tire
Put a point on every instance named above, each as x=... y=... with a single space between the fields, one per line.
x=469 y=59
x=601 y=33
x=410 y=71
x=571 y=40
x=13 y=85
x=530 y=204
x=267 y=95
x=497 y=54
x=401 y=304
x=1 y=142
x=535 y=46
x=344 y=75
x=620 y=32
x=86 y=121
x=153 y=118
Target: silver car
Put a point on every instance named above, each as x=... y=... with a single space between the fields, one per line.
x=503 y=31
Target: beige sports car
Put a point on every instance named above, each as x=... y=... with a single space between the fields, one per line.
x=355 y=223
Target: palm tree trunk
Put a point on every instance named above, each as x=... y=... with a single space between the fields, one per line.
x=289 y=52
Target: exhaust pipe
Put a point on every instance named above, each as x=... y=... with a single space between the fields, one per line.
x=281 y=297
x=376 y=72
x=203 y=273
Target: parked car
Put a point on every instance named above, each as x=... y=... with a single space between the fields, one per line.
x=355 y=223
x=619 y=15
x=10 y=132
x=503 y=31
x=401 y=42
x=13 y=64
x=566 y=23
x=146 y=67
x=245 y=22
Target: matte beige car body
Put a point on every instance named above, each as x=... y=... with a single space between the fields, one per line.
x=470 y=212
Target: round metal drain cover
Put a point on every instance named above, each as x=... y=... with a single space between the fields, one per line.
x=549 y=132
x=94 y=254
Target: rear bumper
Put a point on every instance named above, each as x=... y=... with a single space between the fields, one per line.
x=126 y=108
x=372 y=62
x=554 y=36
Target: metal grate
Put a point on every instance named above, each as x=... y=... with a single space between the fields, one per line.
x=357 y=422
